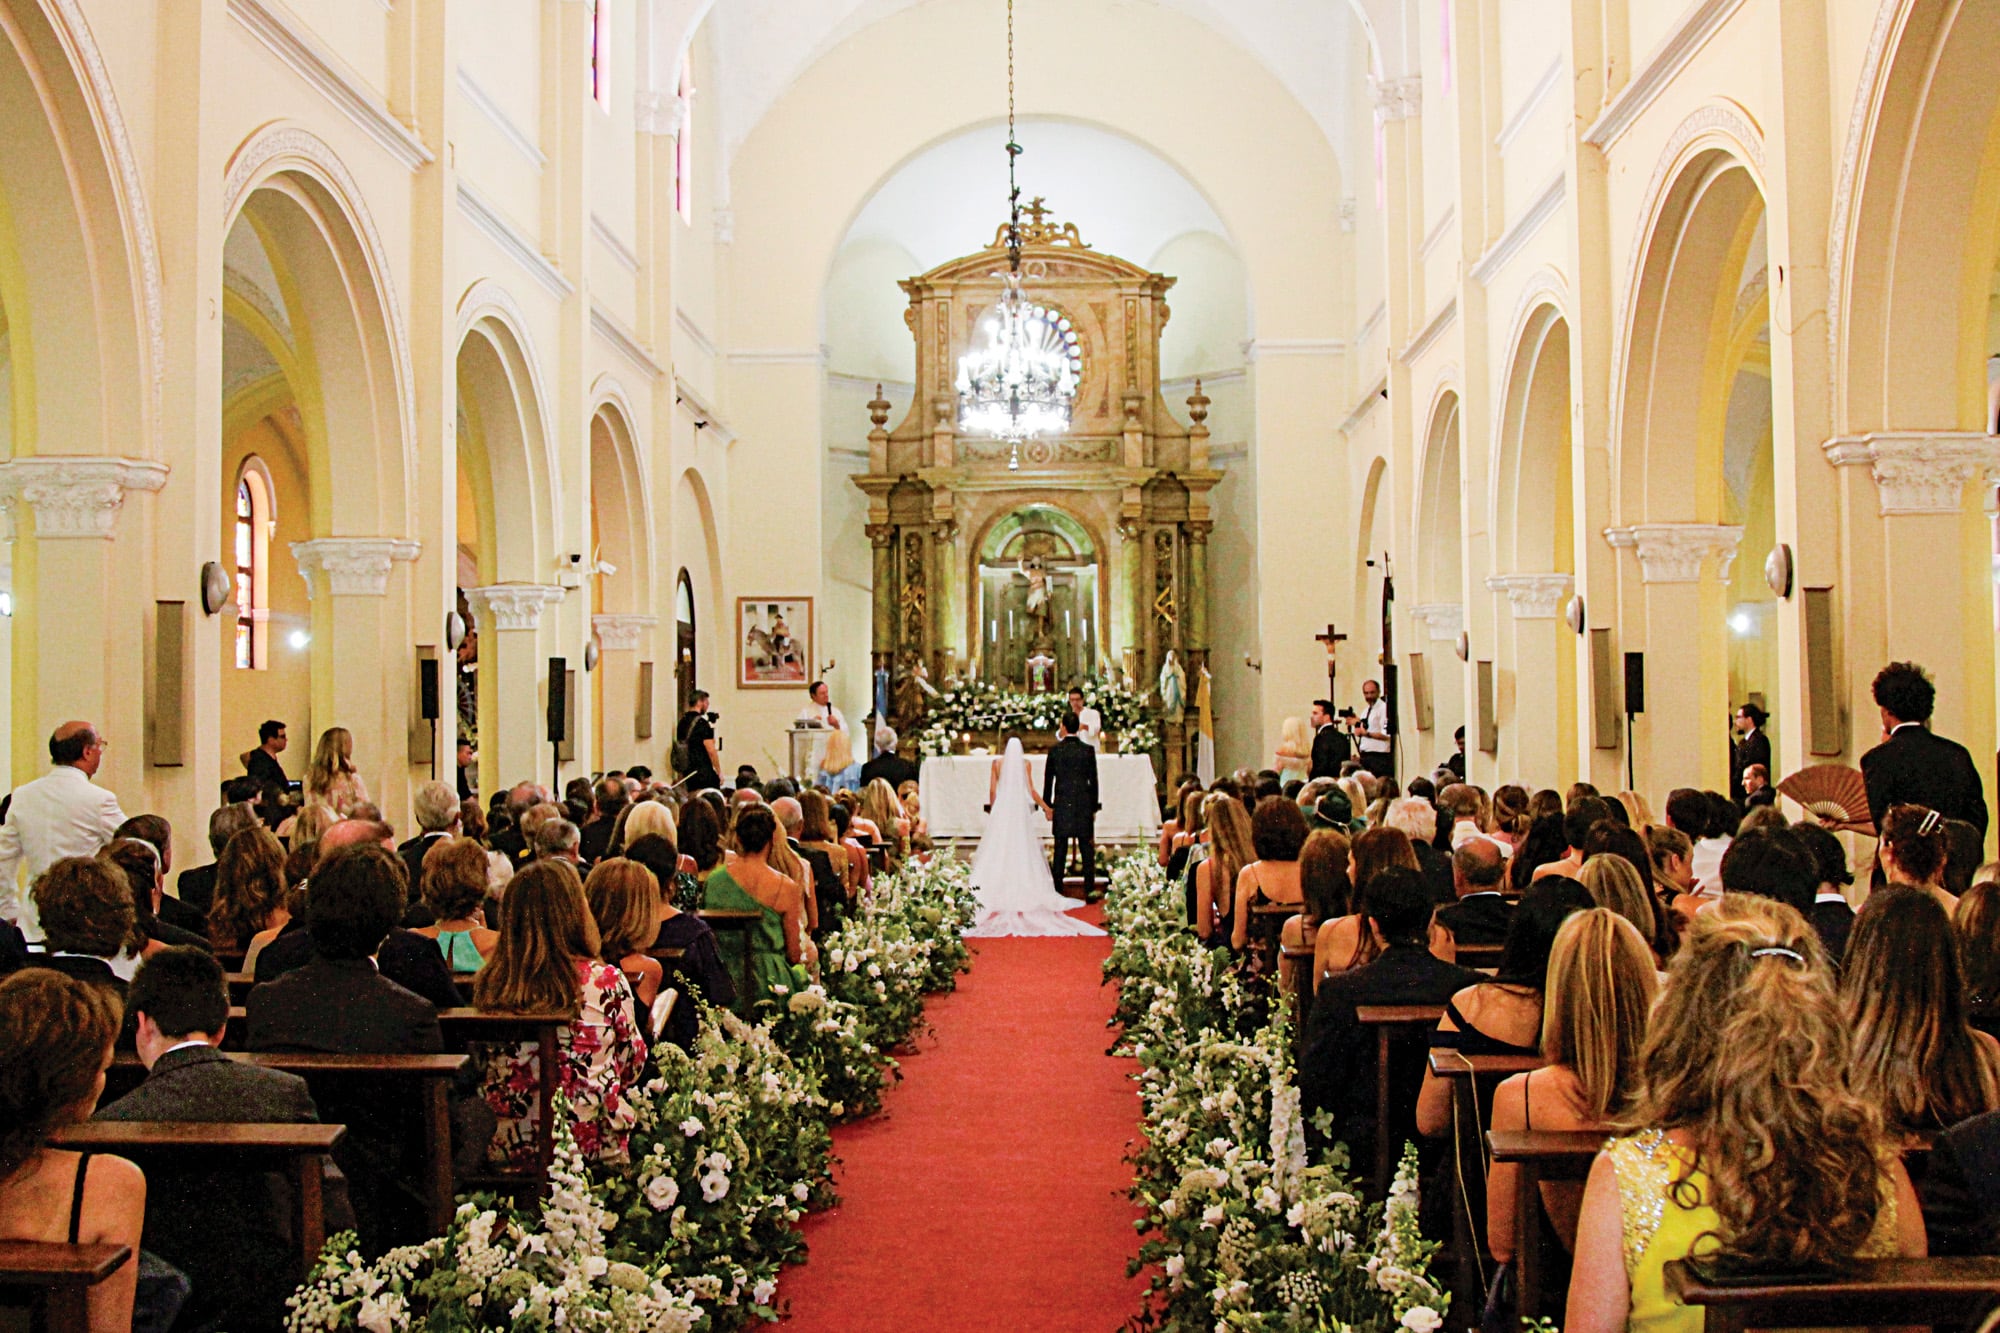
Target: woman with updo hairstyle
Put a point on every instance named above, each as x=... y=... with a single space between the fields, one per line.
x=1915 y=1057
x=1177 y=821
x=55 y=1046
x=1348 y=942
x=748 y=883
x=1914 y=849
x=454 y=888
x=1747 y=1142
x=1510 y=814
x=249 y=888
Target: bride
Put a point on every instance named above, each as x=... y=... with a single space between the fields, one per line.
x=1016 y=893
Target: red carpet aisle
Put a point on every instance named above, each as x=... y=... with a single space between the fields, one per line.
x=990 y=1193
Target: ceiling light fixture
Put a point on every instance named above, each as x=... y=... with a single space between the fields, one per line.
x=1020 y=381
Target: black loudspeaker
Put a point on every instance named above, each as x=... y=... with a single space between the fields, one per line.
x=427 y=688
x=1635 y=683
x=558 y=701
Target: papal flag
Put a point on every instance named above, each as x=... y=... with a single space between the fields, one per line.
x=1204 y=731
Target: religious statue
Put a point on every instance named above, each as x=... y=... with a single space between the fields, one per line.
x=913 y=690
x=1032 y=569
x=1041 y=670
x=1173 y=686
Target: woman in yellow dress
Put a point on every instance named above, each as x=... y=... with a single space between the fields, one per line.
x=1751 y=1145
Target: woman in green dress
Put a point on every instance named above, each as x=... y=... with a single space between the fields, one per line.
x=747 y=883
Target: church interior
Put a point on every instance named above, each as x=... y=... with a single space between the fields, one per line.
x=499 y=380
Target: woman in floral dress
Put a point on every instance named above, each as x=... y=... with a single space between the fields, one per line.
x=546 y=962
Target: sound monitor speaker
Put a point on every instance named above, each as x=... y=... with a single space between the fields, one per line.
x=166 y=747
x=1420 y=690
x=1606 y=725
x=558 y=716
x=642 y=719
x=566 y=747
x=1635 y=683
x=1392 y=693
x=1489 y=709
x=427 y=684
x=1824 y=729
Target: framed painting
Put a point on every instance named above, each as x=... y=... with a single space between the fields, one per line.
x=774 y=642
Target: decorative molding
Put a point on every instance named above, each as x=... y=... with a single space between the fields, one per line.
x=1529 y=105
x=1445 y=620
x=1372 y=323
x=351 y=566
x=1875 y=65
x=1539 y=210
x=1374 y=397
x=1397 y=99
x=1702 y=21
x=1673 y=552
x=512 y=240
x=312 y=61
x=780 y=356
x=607 y=327
x=1919 y=472
x=905 y=388
x=75 y=495
x=1257 y=349
x=1446 y=316
x=623 y=253
x=1533 y=596
x=687 y=396
x=517 y=138
x=1436 y=234
x=621 y=633
x=241 y=285
x=512 y=605
x=702 y=342
x=659 y=113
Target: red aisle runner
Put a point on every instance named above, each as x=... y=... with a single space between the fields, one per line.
x=990 y=1192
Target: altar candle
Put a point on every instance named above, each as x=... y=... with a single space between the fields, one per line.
x=1065 y=622
x=1010 y=624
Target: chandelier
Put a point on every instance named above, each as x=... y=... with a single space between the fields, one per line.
x=1018 y=382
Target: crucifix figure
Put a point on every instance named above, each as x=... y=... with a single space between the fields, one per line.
x=1332 y=638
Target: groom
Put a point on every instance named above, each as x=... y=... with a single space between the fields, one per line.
x=1069 y=786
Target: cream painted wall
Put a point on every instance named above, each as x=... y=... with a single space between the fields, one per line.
x=281 y=689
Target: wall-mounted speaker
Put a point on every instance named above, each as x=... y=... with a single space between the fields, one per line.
x=642 y=716
x=427 y=684
x=1420 y=690
x=1635 y=683
x=558 y=707
x=1606 y=725
x=1489 y=708
x=566 y=748
x=1825 y=726
x=166 y=744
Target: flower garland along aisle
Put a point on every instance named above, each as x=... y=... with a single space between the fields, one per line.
x=1244 y=1231
x=733 y=1145
x=984 y=709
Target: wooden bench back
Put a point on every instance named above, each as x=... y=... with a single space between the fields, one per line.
x=56 y=1279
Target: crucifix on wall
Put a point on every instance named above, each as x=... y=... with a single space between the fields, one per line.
x=1332 y=639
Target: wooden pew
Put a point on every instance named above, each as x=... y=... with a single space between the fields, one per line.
x=56 y=1279
x=462 y=1027
x=1477 y=956
x=297 y=1150
x=1539 y=1155
x=1463 y=1072
x=1871 y=1291
x=740 y=922
x=1390 y=1021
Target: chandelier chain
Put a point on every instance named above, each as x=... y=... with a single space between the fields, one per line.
x=1013 y=156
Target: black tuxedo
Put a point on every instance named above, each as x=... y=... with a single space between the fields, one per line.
x=1069 y=784
x=341 y=1007
x=1478 y=918
x=197 y=889
x=183 y=914
x=229 y=1231
x=890 y=767
x=594 y=840
x=1960 y=1190
x=262 y=765
x=1743 y=752
x=1331 y=747
x=412 y=853
x=1918 y=766
x=412 y=961
x=1833 y=920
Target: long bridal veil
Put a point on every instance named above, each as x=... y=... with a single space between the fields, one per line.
x=1016 y=893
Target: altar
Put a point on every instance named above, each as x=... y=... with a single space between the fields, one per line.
x=954 y=795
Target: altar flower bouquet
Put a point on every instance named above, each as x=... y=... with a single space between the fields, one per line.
x=1246 y=1230
x=979 y=706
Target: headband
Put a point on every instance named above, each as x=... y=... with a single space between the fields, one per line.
x=1779 y=951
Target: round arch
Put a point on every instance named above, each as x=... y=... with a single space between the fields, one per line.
x=621 y=507
x=1532 y=517
x=698 y=554
x=504 y=446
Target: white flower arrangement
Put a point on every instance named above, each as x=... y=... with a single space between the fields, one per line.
x=981 y=707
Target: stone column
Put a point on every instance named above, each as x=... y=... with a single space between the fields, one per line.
x=882 y=641
x=1536 y=698
x=1130 y=604
x=79 y=622
x=511 y=733
x=1444 y=622
x=1194 y=610
x=362 y=671
x=619 y=638
x=1681 y=738
x=947 y=599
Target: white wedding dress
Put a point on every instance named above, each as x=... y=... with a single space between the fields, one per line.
x=1017 y=895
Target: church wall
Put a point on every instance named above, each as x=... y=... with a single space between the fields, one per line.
x=281 y=689
x=696 y=257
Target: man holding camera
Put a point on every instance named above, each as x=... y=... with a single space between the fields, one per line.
x=695 y=735
x=1371 y=732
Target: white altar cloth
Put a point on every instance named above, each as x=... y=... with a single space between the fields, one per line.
x=954 y=793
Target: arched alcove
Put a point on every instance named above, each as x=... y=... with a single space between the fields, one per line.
x=1439 y=605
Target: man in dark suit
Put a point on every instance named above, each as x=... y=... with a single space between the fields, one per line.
x=1481 y=915
x=513 y=840
x=1961 y=1188
x=262 y=762
x=155 y=830
x=1330 y=744
x=829 y=895
x=1337 y=1071
x=1913 y=764
x=607 y=799
x=340 y=1002
x=1756 y=787
x=1749 y=745
x=1069 y=787
x=229 y=1231
x=891 y=767
x=436 y=808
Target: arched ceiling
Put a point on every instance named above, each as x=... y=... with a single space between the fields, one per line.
x=762 y=46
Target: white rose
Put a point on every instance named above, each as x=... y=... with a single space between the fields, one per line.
x=801 y=1191
x=379 y=1316
x=714 y=1186
x=661 y=1191
x=1422 y=1319
x=690 y=1126
x=764 y=1291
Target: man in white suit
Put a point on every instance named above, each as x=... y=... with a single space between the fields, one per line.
x=55 y=816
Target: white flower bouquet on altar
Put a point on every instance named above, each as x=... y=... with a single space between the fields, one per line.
x=979 y=707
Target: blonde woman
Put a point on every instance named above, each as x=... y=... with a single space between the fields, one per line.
x=302 y=832
x=1614 y=882
x=880 y=807
x=1749 y=1144
x=1601 y=986
x=331 y=779
x=1231 y=848
x=1294 y=755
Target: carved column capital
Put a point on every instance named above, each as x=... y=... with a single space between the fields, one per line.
x=1673 y=552
x=660 y=113
x=351 y=566
x=75 y=495
x=881 y=534
x=1197 y=532
x=1444 y=619
x=512 y=605
x=1919 y=472
x=1397 y=99
x=621 y=632
x=1533 y=596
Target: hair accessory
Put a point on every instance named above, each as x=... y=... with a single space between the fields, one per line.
x=1931 y=821
x=1778 y=951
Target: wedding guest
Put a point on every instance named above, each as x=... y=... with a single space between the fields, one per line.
x=140 y=864
x=1328 y=894
x=1914 y=1055
x=249 y=889
x=857 y=855
x=1964 y=849
x=1231 y=847
x=436 y=807
x=1914 y=765
x=1579 y=817
x=546 y=963
x=747 y=882
x=1913 y=851
x=1976 y=923
x=1480 y=915
x=1348 y=943
x=1609 y=838
x=60 y=814
x=608 y=801
x=700 y=965
x=55 y=1046
x=331 y=778
x=1753 y=1143
x=1510 y=819
x=624 y=899
x=638 y=819
x=1543 y=844
x=1612 y=882
x=1418 y=819
x=1601 y=988
x=90 y=925
x=1294 y=755
x=700 y=842
x=816 y=834
x=1188 y=831
x=196 y=885
x=1268 y=891
x=454 y=884
x=155 y=830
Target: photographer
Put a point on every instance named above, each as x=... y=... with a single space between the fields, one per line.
x=697 y=758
